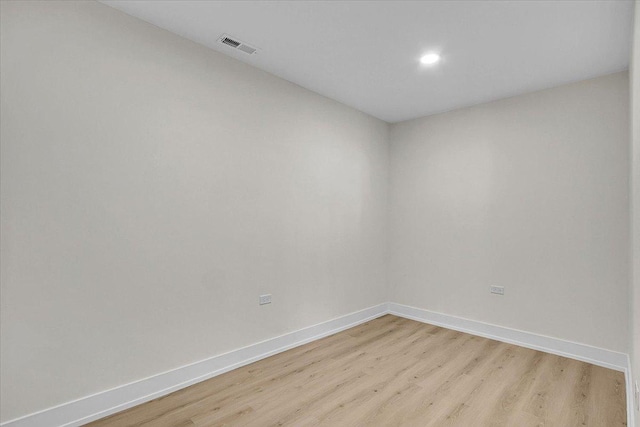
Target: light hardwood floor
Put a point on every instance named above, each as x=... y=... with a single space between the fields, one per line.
x=396 y=372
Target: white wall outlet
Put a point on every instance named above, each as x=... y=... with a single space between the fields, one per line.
x=498 y=290
x=265 y=299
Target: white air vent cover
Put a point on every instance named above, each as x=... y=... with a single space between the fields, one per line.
x=236 y=44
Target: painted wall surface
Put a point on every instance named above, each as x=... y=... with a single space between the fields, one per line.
x=530 y=193
x=634 y=314
x=152 y=189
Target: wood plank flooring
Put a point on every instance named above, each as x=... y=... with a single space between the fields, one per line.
x=396 y=372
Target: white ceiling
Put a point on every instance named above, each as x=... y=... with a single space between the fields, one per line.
x=365 y=53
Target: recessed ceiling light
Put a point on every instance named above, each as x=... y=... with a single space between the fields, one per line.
x=430 y=59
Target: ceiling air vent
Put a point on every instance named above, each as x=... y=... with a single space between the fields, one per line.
x=234 y=43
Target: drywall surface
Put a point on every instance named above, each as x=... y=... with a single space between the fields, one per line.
x=530 y=193
x=152 y=189
x=634 y=314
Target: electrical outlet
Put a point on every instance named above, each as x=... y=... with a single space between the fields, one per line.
x=265 y=299
x=498 y=290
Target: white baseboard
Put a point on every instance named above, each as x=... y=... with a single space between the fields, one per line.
x=631 y=413
x=108 y=402
x=99 y=405
x=586 y=353
x=597 y=356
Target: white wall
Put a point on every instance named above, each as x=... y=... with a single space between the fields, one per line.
x=152 y=189
x=634 y=318
x=530 y=193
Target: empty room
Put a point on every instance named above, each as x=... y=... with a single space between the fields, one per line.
x=319 y=213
